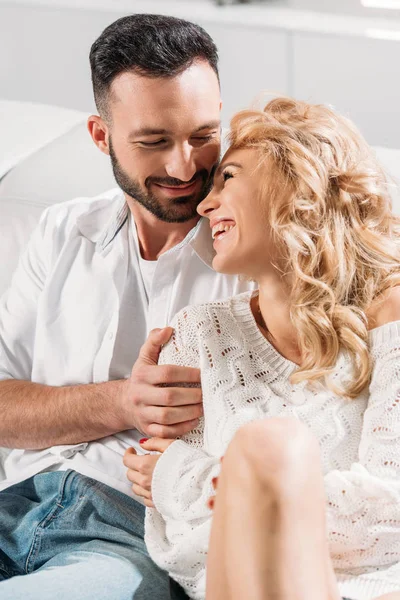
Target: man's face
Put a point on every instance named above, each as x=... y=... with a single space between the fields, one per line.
x=164 y=139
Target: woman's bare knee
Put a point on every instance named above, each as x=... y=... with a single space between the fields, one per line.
x=276 y=450
x=282 y=442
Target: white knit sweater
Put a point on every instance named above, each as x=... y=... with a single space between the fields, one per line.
x=244 y=378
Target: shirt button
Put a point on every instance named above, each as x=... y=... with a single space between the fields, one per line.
x=111 y=335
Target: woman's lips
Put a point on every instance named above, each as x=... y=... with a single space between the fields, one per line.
x=178 y=191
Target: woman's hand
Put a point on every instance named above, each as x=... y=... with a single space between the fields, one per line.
x=214 y=481
x=141 y=467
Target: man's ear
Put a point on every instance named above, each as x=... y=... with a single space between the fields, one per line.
x=98 y=130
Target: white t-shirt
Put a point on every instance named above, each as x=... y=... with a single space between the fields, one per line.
x=147 y=270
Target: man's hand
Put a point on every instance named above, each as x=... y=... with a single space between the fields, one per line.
x=167 y=411
x=141 y=468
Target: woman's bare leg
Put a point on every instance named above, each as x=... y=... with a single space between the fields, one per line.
x=393 y=596
x=268 y=539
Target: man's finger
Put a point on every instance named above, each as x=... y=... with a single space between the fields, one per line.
x=173 y=374
x=168 y=375
x=172 y=396
x=175 y=415
x=151 y=349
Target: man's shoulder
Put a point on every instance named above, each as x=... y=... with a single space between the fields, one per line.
x=86 y=213
x=84 y=205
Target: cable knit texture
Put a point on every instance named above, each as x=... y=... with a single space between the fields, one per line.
x=244 y=378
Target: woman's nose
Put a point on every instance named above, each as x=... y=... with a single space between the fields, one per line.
x=209 y=204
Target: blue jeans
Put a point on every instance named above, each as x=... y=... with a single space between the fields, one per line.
x=64 y=536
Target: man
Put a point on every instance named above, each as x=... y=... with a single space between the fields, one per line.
x=79 y=383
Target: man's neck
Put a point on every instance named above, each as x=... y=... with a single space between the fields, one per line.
x=155 y=236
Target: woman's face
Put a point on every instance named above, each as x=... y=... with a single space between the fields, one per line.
x=238 y=216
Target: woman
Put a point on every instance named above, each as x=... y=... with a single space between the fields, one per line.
x=300 y=380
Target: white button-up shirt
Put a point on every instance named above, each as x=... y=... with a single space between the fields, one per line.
x=60 y=317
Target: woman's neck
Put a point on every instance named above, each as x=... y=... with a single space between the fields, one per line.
x=271 y=310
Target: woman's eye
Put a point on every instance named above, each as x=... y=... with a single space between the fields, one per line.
x=227 y=175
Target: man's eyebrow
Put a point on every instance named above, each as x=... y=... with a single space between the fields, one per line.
x=210 y=125
x=223 y=166
x=147 y=131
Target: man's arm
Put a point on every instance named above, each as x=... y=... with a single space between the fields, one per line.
x=39 y=416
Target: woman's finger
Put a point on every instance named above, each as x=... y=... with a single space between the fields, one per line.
x=143 y=481
x=139 y=491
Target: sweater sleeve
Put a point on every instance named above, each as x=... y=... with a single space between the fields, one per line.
x=182 y=478
x=177 y=530
x=363 y=503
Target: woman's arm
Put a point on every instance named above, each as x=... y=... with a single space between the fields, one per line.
x=177 y=531
x=363 y=503
x=182 y=477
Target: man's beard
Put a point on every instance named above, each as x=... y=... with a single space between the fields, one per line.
x=179 y=210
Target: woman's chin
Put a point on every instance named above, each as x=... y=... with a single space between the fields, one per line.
x=227 y=266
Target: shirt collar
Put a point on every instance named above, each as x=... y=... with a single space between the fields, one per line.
x=105 y=216
x=202 y=242
x=103 y=223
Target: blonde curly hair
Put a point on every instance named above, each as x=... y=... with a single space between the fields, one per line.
x=333 y=220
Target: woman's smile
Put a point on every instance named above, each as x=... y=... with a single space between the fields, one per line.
x=221 y=229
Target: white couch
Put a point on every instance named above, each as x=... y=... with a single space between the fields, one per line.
x=47 y=156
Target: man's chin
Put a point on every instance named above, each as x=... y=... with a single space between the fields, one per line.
x=179 y=216
x=186 y=201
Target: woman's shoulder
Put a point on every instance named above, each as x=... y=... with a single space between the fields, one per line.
x=385 y=308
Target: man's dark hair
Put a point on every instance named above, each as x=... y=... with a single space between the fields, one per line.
x=151 y=45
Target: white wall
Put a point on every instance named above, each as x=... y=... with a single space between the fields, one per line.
x=358 y=77
x=340 y=60
x=48 y=52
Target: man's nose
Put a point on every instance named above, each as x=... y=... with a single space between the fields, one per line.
x=181 y=164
